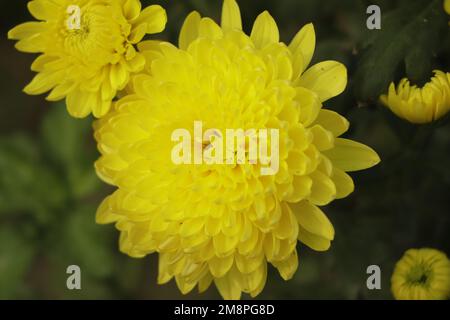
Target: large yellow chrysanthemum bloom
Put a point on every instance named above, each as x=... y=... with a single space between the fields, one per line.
x=420 y=105
x=224 y=223
x=422 y=274
x=88 y=49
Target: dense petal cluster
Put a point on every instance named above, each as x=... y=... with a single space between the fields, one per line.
x=225 y=223
x=87 y=49
x=422 y=274
x=420 y=105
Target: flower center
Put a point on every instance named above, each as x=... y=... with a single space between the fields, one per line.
x=89 y=35
x=80 y=31
x=419 y=275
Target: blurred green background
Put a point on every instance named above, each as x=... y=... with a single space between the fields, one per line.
x=49 y=191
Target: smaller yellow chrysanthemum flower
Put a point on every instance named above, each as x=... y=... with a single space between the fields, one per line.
x=420 y=105
x=447 y=6
x=421 y=274
x=88 y=49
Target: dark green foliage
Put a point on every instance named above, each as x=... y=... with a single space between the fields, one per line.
x=409 y=40
x=44 y=184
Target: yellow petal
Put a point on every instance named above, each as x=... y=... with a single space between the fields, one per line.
x=300 y=136
x=246 y=264
x=137 y=63
x=184 y=286
x=155 y=18
x=224 y=245
x=26 y=30
x=189 y=31
x=204 y=283
x=262 y=277
x=332 y=121
x=130 y=53
x=349 y=155
x=43 y=10
x=343 y=182
x=101 y=107
x=34 y=44
x=40 y=63
x=314 y=242
x=328 y=79
x=220 y=266
x=309 y=104
x=164 y=276
x=231 y=15
x=209 y=29
x=163 y=266
x=323 y=190
x=322 y=138
x=284 y=67
x=61 y=91
x=118 y=76
x=287 y=267
x=107 y=92
x=79 y=103
x=228 y=288
x=104 y=214
x=265 y=31
x=137 y=33
x=271 y=246
x=287 y=227
x=149 y=45
x=126 y=246
x=302 y=48
x=131 y=9
x=44 y=82
x=297 y=162
x=254 y=282
x=313 y=220
x=301 y=188
x=192 y=226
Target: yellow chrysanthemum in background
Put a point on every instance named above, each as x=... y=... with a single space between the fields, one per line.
x=447 y=6
x=422 y=274
x=420 y=105
x=88 y=49
x=225 y=223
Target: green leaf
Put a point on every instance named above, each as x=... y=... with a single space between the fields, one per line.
x=418 y=65
x=84 y=243
x=409 y=37
x=65 y=137
x=83 y=181
x=26 y=184
x=16 y=254
x=69 y=144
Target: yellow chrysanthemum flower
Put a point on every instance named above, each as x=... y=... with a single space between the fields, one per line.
x=88 y=49
x=447 y=6
x=422 y=274
x=420 y=105
x=225 y=223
